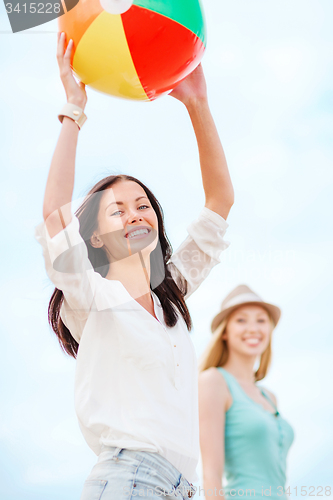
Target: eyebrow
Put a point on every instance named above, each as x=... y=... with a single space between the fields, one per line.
x=121 y=203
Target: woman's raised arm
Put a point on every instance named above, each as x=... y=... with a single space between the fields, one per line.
x=216 y=180
x=60 y=181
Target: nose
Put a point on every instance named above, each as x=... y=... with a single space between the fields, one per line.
x=253 y=327
x=134 y=216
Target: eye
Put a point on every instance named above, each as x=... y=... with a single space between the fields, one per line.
x=115 y=213
x=144 y=206
x=240 y=320
x=262 y=320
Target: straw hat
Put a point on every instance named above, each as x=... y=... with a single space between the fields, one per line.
x=241 y=295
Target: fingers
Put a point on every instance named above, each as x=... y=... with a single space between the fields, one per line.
x=60 y=45
x=68 y=50
x=73 y=88
x=63 y=55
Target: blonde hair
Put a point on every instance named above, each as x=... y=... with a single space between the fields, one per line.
x=216 y=352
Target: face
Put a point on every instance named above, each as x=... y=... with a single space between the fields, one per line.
x=127 y=222
x=248 y=330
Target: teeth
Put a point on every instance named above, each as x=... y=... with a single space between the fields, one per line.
x=252 y=341
x=139 y=231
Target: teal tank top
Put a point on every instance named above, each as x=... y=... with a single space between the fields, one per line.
x=256 y=446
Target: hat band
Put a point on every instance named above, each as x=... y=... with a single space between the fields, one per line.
x=240 y=299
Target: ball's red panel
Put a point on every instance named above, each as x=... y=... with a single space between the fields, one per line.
x=189 y=13
x=160 y=46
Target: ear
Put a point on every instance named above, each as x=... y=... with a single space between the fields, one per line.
x=95 y=241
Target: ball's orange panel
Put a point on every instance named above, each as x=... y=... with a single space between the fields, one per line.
x=76 y=21
x=160 y=46
x=103 y=61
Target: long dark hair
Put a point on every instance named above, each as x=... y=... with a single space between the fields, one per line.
x=170 y=292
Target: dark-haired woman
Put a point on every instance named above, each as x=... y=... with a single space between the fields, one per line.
x=119 y=307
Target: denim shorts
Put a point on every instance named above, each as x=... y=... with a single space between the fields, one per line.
x=122 y=474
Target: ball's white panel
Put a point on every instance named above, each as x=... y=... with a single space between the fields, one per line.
x=116 y=6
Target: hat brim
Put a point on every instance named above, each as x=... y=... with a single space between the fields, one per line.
x=274 y=311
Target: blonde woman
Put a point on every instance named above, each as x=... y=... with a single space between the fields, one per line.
x=243 y=437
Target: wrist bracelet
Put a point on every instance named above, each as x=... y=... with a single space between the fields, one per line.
x=74 y=112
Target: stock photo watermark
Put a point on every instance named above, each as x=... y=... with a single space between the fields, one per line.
x=26 y=14
x=132 y=251
x=249 y=492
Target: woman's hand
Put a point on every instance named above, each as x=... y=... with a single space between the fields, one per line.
x=192 y=88
x=75 y=92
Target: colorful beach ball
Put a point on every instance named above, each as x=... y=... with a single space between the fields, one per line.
x=135 y=49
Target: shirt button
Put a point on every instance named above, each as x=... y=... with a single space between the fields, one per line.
x=174 y=345
x=177 y=364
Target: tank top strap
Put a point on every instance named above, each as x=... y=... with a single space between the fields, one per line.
x=264 y=393
x=233 y=386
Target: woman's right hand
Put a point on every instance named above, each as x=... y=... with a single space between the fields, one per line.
x=75 y=92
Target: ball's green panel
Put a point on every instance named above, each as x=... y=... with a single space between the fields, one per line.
x=189 y=13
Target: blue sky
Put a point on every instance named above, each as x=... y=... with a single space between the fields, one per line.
x=269 y=69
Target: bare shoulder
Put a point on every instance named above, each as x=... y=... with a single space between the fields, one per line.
x=213 y=386
x=211 y=376
x=271 y=395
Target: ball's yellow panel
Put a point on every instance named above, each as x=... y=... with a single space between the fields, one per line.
x=102 y=59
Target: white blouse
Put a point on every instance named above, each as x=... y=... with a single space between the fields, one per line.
x=136 y=379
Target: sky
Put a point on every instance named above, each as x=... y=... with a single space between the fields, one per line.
x=269 y=72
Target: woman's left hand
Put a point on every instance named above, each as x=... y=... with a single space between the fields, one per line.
x=192 y=88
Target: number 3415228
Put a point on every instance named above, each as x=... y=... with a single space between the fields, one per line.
x=33 y=8
x=311 y=491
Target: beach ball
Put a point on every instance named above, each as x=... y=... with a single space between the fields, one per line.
x=135 y=49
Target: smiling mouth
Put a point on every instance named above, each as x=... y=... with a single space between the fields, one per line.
x=252 y=342
x=137 y=234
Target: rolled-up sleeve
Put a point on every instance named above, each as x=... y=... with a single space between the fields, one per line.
x=201 y=250
x=68 y=267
